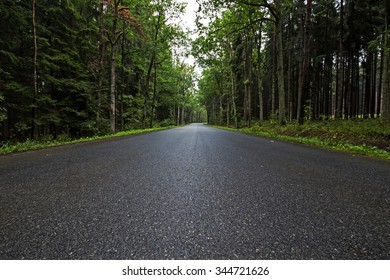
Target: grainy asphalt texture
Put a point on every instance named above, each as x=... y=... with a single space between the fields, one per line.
x=193 y=192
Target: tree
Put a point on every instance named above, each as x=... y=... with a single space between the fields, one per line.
x=34 y=70
x=78 y=68
x=386 y=71
x=160 y=36
x=16 y=56
x=278 y=16
x=247 y=22
x=305 y=63
x=118 y=12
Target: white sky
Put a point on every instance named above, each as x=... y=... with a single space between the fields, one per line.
x=190 y=16
x=188 y=20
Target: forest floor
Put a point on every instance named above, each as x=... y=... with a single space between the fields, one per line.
x=13 y=147
x=363 y=136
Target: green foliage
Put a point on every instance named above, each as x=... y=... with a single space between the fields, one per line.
x=236 y=48
x=367 y=137
x=73 y=68
x=3 y=110
x=10 y=147
x=243 y=37
x=167 y=123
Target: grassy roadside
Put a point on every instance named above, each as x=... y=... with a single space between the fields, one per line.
x=7 y=148
x=366 y=137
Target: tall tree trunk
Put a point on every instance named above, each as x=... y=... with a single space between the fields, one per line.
x=305 y=62
x=149 y=73
x=35 y=93
x=260 y=78
x=328 y=69
x=340 y=78
x=368 y=87
x=386 y=70
x=178 y=116
x=112 y=90
x=273 y=74
x=234 y=93
x=102 y=50
x=173 y=113
x=112 y=93
x=220 y=90
x=146 y=91
x=280 y=65
x=290 y=105
x=154 y=97
x=248 y=79
x=221 y=109
x=374 y=81
x=183 y=115
x=233 y=88
x=380 y=82
x=348 y=83
x=123 y=82
x=228 y=112
x=114 y=40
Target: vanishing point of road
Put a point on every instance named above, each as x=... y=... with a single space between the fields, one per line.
x=193 y=192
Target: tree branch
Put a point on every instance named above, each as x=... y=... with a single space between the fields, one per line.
x=244 y=27
x=265 y=4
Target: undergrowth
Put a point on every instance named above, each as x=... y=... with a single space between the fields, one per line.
x=363 y=136
x=12 y=147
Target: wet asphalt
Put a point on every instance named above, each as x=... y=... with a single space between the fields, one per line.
x=193 y=192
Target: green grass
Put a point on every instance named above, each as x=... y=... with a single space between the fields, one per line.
x=28 y=145
x=369 y=137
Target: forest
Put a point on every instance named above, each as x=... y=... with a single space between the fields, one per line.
x=76 y=68
x=293 y=60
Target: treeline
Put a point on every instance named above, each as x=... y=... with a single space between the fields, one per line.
x=294 y=60
x=84 y=67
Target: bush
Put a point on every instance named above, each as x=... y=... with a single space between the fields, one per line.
x=167 y=122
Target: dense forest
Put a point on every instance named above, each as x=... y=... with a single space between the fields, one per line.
x=73 y=68
x=294 y=60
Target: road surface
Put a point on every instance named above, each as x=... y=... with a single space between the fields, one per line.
x=193 y=192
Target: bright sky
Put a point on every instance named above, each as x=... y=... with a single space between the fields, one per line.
x=189 y=21
x=190 y=16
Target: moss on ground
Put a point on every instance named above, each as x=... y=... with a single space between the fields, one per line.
x=363 y=136
x=9 y=147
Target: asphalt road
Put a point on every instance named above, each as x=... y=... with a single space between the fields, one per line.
x=193 y=192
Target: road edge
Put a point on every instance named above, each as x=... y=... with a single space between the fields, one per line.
x=371 y=152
